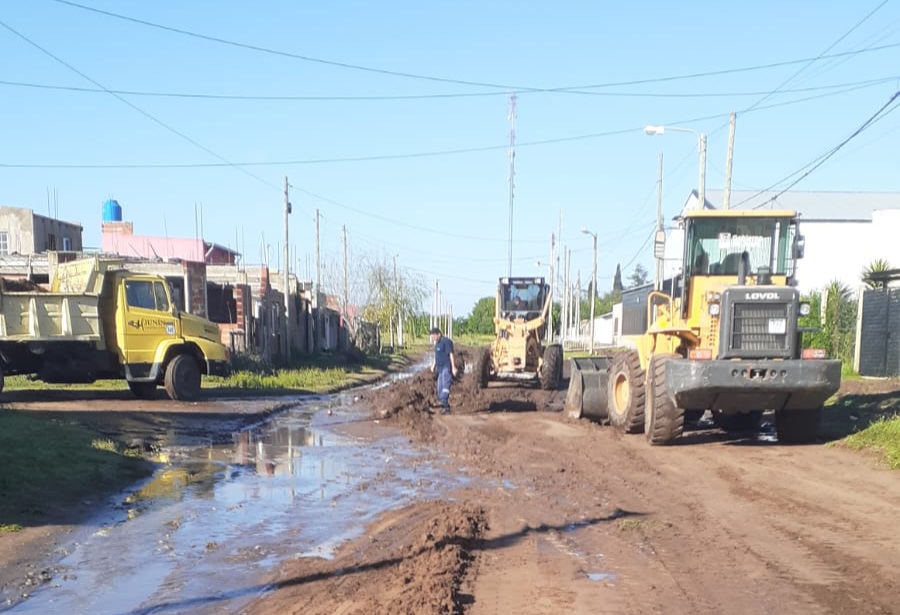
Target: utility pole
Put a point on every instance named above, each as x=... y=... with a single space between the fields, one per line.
x=397 y=300
x=659 y=229
x=566 y=298
x=346 y=286
x=729 y=162
x=593 y=291
x=512 y=172
x=287 y=273
x=318 y=287
x=552 y=290
x=701 y=187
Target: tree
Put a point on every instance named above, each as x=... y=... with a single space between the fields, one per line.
x=617 y=280
x=834 y=324
x=481 y=320
x=391 y=292
x=639 y=276
x=879 y=265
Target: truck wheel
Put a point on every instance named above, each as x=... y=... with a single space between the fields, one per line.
x=183 y=378
x=551 y=368
x=481 y=368
x=663 y=420
x=798 y=426
x=142 y=390
x=626 y=392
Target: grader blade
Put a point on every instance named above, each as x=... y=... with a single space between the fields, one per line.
x=587 y=396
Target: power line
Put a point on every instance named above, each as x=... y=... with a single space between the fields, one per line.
x=810 y=167
x=402 y=97
x=411 y=155
x=497 y=86
x=146 y=114
x=818 y=57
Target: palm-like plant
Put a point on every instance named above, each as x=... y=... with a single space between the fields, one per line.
x=879 y=265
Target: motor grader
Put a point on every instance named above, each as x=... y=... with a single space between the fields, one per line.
x=724 y=337
x=521 y=312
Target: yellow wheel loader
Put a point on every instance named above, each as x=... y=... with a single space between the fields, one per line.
x=724 y=337
x=517 y=353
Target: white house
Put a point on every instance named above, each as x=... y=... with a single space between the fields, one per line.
x=844 y=231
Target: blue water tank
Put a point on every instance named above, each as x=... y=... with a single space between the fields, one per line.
x=112 y=211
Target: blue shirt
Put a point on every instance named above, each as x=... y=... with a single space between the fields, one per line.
x=443 y=348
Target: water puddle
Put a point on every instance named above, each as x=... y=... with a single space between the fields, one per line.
x=601 y=576
x=200 y=536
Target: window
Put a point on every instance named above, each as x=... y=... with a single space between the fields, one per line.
x=51 y=241
x=716 y=246
x=4 y=242
x=162 y=299
x=67 y=244
x=146 y=294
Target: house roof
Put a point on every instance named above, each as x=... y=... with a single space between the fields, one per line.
x=820 y=206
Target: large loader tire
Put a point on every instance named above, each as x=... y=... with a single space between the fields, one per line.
x=551 y=368
x=626 y=393
x=142 y=390
x=183 y=378
x=663 y=420
x=481 y=368
x=798 y=426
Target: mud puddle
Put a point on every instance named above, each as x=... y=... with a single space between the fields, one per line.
x=216 y=519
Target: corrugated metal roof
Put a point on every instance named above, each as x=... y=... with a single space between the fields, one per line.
x=812 y=205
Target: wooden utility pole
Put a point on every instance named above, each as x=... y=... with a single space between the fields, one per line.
x=287 y=273
x=657 y=280
x=726 y=198
x=512 y=173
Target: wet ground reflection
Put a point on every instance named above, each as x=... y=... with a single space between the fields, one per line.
x=215 y=517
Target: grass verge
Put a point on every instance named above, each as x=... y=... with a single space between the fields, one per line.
x=882 y=436
x=47 y=467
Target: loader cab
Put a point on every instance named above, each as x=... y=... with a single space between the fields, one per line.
x=729 y=248
x=522 y=297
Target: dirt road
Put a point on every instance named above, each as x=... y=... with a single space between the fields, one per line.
x=569 y=517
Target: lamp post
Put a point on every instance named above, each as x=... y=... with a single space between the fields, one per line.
x=593 y=283
x=653 y=130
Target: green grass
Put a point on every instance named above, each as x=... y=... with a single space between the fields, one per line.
x=47 y=466
x=25 y=383
x=882 y=436
x=306 y=379
x=8 y=528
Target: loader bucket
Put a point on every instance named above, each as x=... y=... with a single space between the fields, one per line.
x=587 y=396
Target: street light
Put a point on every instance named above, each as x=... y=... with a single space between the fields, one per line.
x=654 y=130
x=593 y=283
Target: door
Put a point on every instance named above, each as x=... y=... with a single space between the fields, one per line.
x=148 y=320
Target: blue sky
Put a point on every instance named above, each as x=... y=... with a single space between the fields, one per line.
x=444 y=216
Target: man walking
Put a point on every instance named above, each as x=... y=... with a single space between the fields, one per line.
x=445 y=365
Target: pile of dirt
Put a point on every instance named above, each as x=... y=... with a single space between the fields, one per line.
x=413 y=561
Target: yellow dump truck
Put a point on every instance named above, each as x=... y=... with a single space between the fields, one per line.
x=101 y=321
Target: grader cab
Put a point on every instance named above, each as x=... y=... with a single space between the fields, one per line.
x=725 y=338
x=517 y=352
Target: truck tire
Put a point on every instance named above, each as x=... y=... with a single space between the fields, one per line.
x=626 y=393
x=481 y=368
x=142 y=390
x=798 y=426
x=663 y=420
x=183 y=378
x=551 y=368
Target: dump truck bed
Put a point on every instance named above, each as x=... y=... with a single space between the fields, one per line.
x=39 y=316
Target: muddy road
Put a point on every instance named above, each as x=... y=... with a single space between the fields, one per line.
x=367 y=502
x=571 y=517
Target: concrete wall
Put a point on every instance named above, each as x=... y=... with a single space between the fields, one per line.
x=29 y=232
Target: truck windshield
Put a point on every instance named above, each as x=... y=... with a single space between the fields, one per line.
x=717 y=246
x=146 y=294
x=522 y=296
